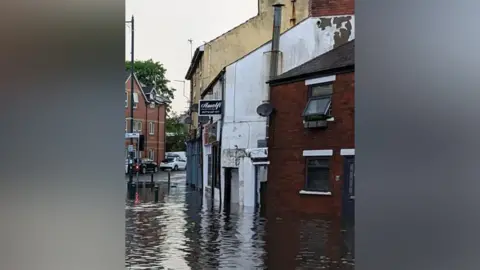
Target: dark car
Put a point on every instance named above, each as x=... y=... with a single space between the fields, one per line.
x=143 y=166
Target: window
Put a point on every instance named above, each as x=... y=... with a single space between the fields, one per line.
x=151 y=128
x=152 y=105
x=151 y=154
x=318 y=174
x=135 y=100
x=138 y=126
x=126 y=99
x=126 y=125
x=319 y=102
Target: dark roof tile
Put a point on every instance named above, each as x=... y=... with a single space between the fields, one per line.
x=340 y=57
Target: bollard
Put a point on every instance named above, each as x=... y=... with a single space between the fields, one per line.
x=156 y=194
x=152 y=183
x=133 y=188
x=168 y=179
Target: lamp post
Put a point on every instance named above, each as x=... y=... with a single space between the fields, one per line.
x=132 y=76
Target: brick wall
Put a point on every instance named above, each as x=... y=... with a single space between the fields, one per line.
x=331 y=7
x=146 y=114
x=286 y=176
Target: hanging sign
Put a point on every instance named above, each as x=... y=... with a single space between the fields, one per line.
x=210 y=107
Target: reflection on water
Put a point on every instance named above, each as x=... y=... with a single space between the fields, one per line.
x=181 y=232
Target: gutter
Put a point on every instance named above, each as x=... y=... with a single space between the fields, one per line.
x=327 y=72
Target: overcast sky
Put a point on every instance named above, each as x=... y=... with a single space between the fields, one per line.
x=163 y=28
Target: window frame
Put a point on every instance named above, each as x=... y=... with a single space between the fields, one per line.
x=139 y=126
x=329 y=160
x=328 y=111
x=126 y=99
x=151 y=154
x=135 y=104
x=151 y=128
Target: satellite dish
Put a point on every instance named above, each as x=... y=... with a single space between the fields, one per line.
x=265 y=109
x=188 y=120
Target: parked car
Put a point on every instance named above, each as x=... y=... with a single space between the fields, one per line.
x=173 y=163
x=143 y=166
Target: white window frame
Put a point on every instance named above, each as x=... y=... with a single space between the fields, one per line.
x=135 y=100
x=138 y=125
x=151 y=128
x=312 y=154
x=152 y=105
x=151 y=154
x=126 y=99
x=126 y=125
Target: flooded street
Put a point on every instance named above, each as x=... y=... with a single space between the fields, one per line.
x=182 y=232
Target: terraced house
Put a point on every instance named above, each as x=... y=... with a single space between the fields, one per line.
x=212 y=57
x=234 y=153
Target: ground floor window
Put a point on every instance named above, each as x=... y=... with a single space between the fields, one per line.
x=318 y=174
x=151 y=154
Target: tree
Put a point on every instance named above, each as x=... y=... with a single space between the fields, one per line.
x=176 y=133
x=153 y=73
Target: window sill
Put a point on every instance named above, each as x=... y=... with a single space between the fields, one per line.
x=318 y=193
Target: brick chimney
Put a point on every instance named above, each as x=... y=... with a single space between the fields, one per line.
x=331 y=7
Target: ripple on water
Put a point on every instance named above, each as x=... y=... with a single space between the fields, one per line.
x=180 y=233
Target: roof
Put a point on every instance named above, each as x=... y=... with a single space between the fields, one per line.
x=195 y=60
x=212 y=84
x=146 y=89
x=338 y=58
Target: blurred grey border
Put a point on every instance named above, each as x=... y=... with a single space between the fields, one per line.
x=62 y=120
x=417 y=108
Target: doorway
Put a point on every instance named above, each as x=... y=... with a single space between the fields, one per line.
x=348 y=196
x=261 y=176
x=228 y=190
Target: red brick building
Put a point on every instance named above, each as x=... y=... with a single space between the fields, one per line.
x=149 y=117
x=312 y=143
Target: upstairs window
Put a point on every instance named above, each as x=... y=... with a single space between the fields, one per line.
x=151 y=128
x=135 y=100
x=139 y=126
x=319 y=105
x=126 y=99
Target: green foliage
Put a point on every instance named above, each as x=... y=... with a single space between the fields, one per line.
x=153 y=73
x=176 y=133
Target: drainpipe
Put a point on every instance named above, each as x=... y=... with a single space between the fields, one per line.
x=277 y=23
x=222 y=80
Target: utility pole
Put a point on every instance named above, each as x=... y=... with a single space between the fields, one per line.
x=132 y=77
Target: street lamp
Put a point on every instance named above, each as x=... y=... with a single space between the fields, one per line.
x=132 y=76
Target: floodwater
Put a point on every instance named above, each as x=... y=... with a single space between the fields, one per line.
x=183 y=232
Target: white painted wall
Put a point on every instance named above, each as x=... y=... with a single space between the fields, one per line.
x=246 y=88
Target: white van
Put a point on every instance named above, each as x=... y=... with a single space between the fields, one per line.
x=182 y=155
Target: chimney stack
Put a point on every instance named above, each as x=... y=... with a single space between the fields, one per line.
x=277 y=23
